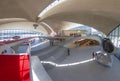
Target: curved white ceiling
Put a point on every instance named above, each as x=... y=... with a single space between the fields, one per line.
x=21 y=11
x=28 y=9
x=103 y=15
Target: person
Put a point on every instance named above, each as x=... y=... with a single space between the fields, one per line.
x=5 y=51
x=51 y=42
x=68 y=51
x=93 y=54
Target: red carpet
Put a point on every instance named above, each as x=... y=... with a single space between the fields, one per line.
x=14 y=68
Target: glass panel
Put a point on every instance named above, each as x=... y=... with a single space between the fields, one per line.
x=115 y=36
x=9 y=34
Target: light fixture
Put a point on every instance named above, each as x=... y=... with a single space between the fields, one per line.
x=35 y=25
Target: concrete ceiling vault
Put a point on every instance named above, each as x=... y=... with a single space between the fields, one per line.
x=21 y=11
x=103 y=15
x=28 y=9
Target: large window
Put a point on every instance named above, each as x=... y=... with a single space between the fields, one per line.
x=87 y=30
x=9 y=34
x=115 y=36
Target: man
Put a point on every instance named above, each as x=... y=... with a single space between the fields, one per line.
x=68 y=51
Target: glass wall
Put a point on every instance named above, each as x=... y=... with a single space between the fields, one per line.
x=115 y=36
x=86 y=30
x=10 y=34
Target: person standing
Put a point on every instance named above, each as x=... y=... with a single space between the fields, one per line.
x=68 y=51
x=93 y=54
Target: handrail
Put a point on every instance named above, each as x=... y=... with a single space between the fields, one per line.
x=7 y=44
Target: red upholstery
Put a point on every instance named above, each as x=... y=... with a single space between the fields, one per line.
x=14 y=68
